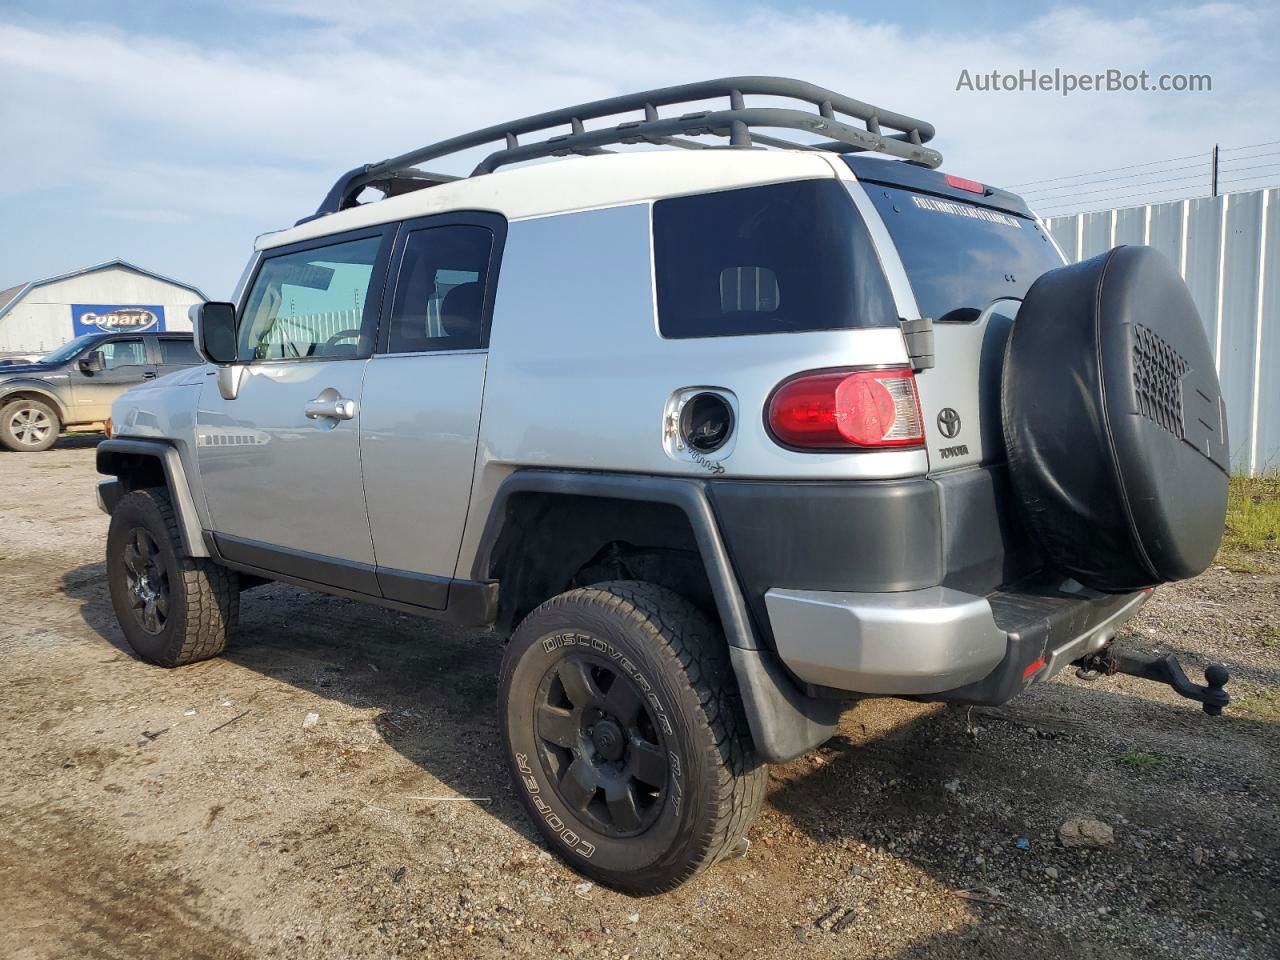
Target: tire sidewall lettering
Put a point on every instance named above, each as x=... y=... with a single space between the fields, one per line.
x=549 y=816
x=556 y=641
x=551 y=646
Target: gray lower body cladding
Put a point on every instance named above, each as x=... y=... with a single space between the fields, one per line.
x=922 y=587
x=957 y=530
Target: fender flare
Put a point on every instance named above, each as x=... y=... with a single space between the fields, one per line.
x=38 y=387
x=112 y=460
x=785 y=722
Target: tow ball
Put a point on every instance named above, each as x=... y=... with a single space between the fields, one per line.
x=1109 y=661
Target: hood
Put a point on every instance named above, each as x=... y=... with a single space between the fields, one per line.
x=24 y=369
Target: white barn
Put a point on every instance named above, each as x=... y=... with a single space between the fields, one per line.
x=42 y=315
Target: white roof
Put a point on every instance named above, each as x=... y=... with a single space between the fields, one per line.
x=577 y=183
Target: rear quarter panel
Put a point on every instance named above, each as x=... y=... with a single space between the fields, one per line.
x=579 y=377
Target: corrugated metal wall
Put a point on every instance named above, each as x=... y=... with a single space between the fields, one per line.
x=1228 y=251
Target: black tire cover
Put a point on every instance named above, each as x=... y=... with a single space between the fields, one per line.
x=1114 y=422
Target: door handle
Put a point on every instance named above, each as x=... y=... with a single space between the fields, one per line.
x=330 y=406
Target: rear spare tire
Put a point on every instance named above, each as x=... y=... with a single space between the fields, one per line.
x=1114 y=422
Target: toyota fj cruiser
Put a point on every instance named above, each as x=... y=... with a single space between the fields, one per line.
x=717 y=440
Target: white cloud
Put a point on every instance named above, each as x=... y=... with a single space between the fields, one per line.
x=257 y=130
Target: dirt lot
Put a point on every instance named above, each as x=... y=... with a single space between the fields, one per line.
x=197 y=813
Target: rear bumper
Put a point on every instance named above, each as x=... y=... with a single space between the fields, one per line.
x=939 y=643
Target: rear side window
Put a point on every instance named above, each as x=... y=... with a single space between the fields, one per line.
x=960 y=256
x=178 y=352
x=782 y=258
x=439 y=297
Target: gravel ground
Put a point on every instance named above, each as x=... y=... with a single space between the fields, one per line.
x=333 y=787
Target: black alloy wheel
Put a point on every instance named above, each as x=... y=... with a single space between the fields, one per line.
x=600 y=742
x=147 y=579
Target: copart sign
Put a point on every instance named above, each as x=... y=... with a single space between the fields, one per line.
x=115 y=318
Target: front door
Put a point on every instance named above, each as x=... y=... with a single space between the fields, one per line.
x=127 y=364
x=278 y=439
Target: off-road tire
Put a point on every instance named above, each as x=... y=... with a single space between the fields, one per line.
x=662 y=645
x=20 y=438
x=203 y=598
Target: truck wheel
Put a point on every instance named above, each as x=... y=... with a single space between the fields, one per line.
x=173 y=608
x=29 y=426
x=626 y=737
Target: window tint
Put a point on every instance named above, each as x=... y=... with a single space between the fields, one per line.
x=961 y=256
x=124 y=353
x=178 y=352
x=439 y=297
x=310 y=303
x=775 y=259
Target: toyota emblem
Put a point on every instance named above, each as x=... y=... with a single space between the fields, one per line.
x=949 y=422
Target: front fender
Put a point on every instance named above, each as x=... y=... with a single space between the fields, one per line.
x=116 y=457
x=38 y=387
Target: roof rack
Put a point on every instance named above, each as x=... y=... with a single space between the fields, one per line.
x=399 y=174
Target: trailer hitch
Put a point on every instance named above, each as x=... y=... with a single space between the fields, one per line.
x=1109 y=661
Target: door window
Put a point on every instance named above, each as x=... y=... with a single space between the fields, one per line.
x=311 y=304
x=178 y=352
x=439 y=298
x=124 y=353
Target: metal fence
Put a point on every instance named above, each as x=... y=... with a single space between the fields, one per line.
x=1227 y=249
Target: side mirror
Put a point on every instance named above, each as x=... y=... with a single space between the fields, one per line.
x=93 y=363
x=214 y=327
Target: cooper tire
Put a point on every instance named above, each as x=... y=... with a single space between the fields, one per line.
x=29 y=426
x=635 y=662
x=174 y=609
x=1114 y=422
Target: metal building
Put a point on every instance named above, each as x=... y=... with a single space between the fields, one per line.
x=42 y=315
x=1227 y=248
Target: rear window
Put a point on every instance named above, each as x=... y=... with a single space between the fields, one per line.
x=775 y=259
x=960 y=256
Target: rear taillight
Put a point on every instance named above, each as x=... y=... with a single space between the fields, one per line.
x=847 y=409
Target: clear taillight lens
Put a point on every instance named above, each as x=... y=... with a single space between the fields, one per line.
x=847 y=409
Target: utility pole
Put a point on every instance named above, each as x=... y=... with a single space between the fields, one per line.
x=1213 y=172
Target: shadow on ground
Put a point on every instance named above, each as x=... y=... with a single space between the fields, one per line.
x=885 y=781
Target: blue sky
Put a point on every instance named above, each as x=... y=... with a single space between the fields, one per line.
x=171 y=134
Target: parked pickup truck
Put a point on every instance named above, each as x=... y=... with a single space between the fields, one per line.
x=75 y=385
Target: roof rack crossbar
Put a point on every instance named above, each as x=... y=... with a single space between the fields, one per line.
x=831 y=118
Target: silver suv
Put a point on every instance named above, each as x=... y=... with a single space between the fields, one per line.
x=716 y=440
